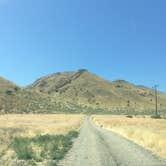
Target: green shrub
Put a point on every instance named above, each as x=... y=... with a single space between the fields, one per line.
x=72 y=134
x=129 y=116
x=156 y=117
x=9 y=91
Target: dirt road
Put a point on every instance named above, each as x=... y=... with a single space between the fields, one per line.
x=98 y=147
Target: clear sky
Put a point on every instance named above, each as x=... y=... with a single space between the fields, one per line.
x=116 y=39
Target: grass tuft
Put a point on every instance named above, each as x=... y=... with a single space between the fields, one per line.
x=22 y=148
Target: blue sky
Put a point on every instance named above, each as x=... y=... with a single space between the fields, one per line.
x=114 y=39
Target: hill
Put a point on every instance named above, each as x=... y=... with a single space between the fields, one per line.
x=78 y=91
x=6 y=84
x=90 y=91
x=16 y=99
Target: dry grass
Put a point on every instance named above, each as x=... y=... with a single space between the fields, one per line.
x=147 y=132
x=31 y=125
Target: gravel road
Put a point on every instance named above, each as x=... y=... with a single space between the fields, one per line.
x=99 y=147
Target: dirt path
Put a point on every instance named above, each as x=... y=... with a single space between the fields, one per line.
x=98 y=147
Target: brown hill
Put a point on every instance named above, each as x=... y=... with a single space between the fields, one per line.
x=16 y=99
x=88 y=90
x=5 y=84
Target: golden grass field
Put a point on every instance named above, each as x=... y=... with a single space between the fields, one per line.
x=31 y=125
x=147 y=132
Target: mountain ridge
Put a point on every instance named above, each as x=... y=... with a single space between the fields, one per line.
x=84 y=90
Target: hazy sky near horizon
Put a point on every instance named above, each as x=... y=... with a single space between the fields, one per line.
x=114 y=39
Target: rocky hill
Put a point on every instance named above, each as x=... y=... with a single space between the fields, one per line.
x=90 y=91
x=77 y=91
x=16 y=99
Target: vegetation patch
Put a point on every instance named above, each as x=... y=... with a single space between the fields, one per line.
x=43 y=147
x=129 y=116
x=156 y=117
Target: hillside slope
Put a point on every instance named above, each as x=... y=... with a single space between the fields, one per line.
x=6 y=84
x=88 y=90
x=16 y=99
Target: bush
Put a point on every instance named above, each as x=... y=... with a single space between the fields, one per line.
x=129 y=116
x=9 y=91
x=156 y=117
x=72 y=134
x=16 y=88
